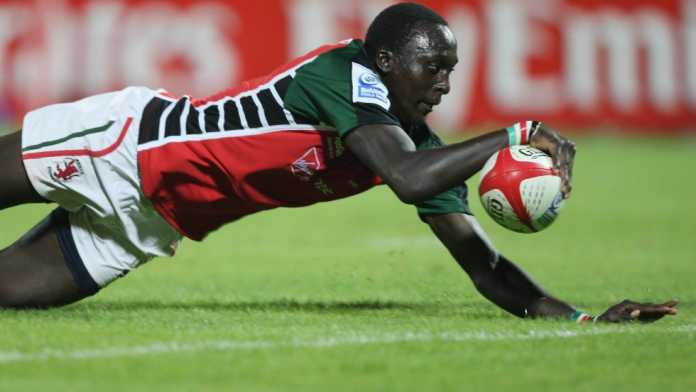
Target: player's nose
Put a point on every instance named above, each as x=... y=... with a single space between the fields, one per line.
x=443 y=86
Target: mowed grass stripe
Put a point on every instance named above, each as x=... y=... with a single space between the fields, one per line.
x=322 y=298
x=175 y=347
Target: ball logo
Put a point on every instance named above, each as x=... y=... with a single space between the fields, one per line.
x=552 y=212
x=531 y=152
x=495 y=209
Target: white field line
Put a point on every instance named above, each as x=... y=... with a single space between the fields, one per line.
x=174 y=347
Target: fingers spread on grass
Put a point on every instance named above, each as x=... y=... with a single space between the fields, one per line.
x=671 y=303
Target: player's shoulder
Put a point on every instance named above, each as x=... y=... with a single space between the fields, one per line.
x=334 y=62
x=345 y=71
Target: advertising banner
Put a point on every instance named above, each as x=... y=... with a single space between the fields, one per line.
x=624 y=64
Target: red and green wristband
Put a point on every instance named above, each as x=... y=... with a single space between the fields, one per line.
x=582 y=317
x=521 y=133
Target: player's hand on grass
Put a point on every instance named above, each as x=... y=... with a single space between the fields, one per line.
x=634 y=311
x=562 y=152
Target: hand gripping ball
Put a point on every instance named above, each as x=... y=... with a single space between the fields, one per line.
x=519 y=190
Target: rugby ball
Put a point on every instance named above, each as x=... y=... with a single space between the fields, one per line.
x=519 y=190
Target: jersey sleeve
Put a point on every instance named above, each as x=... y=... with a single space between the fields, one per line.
x=335 y=89
x=448 y=202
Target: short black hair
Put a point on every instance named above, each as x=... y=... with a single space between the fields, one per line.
x=394 y=26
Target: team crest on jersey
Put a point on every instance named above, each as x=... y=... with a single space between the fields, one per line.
x=306 y=165
x=66 y=170
x=368 y=88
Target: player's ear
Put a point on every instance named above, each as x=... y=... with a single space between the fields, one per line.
x=384 y=59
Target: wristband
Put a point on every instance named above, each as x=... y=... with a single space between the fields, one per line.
x=581 y=317
x=521 y=133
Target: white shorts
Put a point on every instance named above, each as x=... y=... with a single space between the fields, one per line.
x=83 y=156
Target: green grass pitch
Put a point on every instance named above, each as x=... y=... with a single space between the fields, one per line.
x=357 y=295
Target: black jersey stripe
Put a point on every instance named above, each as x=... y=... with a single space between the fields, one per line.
x=274 y=112
x=173 y=123
x=264 y=108
x=150 y=121
x=212 y=118
x=232 y=120
x=251 y=112
x=192 y=125
x=283 y=85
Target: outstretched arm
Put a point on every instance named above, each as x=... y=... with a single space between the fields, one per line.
x=506 y=285
x=494 y=276
x=415 y=176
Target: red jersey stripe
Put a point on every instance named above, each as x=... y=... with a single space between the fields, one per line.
x=255 y=83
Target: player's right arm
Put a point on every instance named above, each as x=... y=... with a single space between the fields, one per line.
x=332 y=90
x=416 y=175
x=505 y=284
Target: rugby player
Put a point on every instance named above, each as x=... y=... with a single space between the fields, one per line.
x=135 y=171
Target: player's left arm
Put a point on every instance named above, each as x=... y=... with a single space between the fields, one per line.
x=503 y=283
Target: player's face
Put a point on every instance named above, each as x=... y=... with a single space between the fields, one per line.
x=421 y=73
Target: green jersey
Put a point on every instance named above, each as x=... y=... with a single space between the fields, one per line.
x=338 y=88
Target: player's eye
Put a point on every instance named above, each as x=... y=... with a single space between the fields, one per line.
x=433 y=69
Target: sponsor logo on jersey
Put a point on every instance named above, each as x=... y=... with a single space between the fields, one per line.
x=323 y=187
x=66 y=170
x=306 y=165
x=334 y=147
x=368 y=88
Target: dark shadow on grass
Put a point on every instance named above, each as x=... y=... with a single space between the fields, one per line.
x=285 y=305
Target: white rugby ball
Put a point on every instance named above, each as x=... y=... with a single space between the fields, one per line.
x=519 y=189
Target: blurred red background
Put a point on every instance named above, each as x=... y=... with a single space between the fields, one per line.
x=624 y=64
